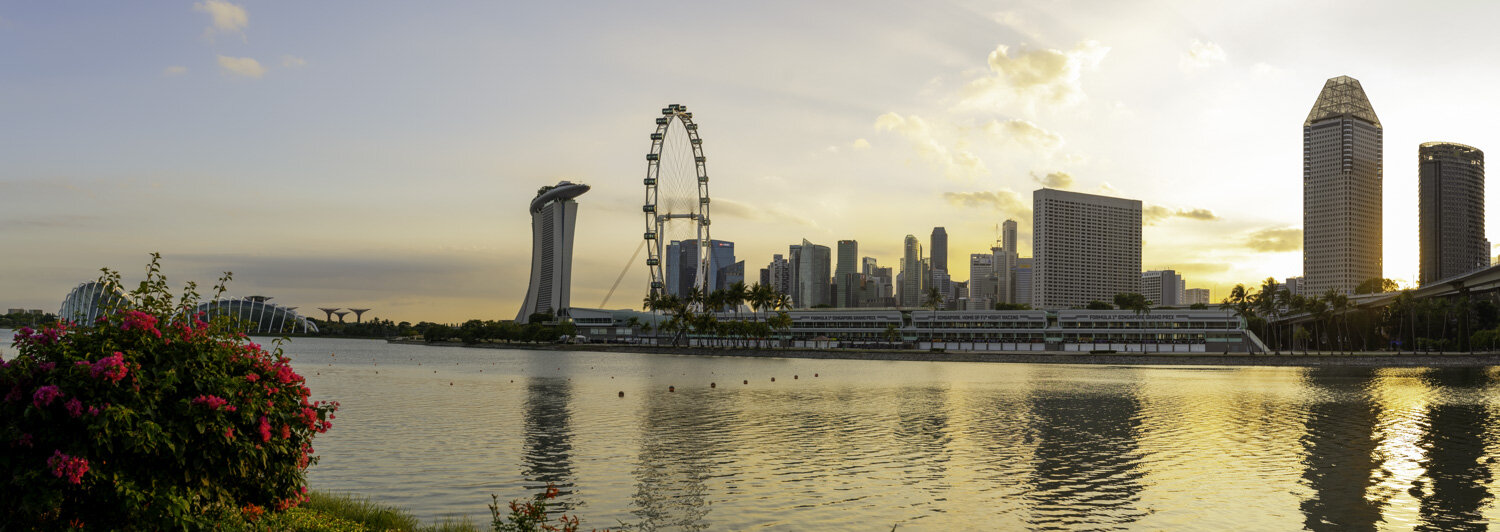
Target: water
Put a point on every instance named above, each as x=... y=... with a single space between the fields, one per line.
x=927 y=446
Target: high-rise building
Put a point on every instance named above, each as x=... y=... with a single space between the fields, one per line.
x=1342 y=170
x=1085 y=248
x=1023 y=280
x=1005 y=264
x=846 y=275
x=1450 y=197
x=982 y=280
x=938 y=248
x=553 y=213
x=868 y=265
x=1195 y=296
x=885 y=288
x=943 y=284
x=813 y=275
x=911 y=273
x=1163 y=288
x=794 y=260
x=1293 y=286
x=681 y=266
x=779 y=275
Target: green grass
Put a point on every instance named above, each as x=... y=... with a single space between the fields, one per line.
x=338 y=511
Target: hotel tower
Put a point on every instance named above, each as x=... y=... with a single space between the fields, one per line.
x=1341 y=189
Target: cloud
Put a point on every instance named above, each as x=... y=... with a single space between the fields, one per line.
x=1054 y=180
x=956 y=163
x=174 y=71
x=227 y=17
x=1030 y=78
x=1003 y=200
x=1015 y=21
x=290 y=61
x=746 y=211
x=1201 y=55
x=1025 y=132
x=241 y=66
x=1152 y=214
x=1275 y=239
x=861 y=144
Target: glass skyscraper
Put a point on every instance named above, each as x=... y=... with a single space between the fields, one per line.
x=1451 y=210
x=553 y=212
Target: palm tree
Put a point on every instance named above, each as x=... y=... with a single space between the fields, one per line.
x=1269 y=303
x=1339 y=304
x=933 y=300
x=781 y=321
x=760 y=297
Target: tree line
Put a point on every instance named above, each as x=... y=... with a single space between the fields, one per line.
x=1331 y=322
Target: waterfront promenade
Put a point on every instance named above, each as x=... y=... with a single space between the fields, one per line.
x=1327 y=359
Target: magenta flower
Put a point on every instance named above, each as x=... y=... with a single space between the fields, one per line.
x=140 y=321
x=74 y=406
x=265 y=429
x=111 y=368
x=70 y=468
x=45 y=395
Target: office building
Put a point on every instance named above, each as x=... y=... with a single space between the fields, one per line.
x=1005 y=263
x=1023 y=281
x=553 y=213
x=938 y=249
x=1294 y=286
x=846 y=275
x=911 y=273
x=1085 y=248
x=779 y=275
x=1163 y=288
x=1450 y=198
x=981 y=280
x=681 y=266
x=1342 y=171
x=1196 y=296
x=813 y=275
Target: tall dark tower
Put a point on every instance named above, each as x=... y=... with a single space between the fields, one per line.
x=939 y=249
x=1342 y=168
x=1450 y=195
x=552 y=214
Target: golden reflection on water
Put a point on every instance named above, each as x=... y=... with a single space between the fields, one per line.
x=925 y=446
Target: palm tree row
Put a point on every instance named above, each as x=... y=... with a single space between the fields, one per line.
x=698 y=313
x=1331 y=322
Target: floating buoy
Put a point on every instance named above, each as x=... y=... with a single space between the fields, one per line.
x=815 y=375
x=450 y=383
x=773 y=379
x=672 y=389
x=713 y=385
x=622 y=394
x=794 y=377
x=747 y=382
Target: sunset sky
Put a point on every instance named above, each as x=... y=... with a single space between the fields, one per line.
x=382 y=154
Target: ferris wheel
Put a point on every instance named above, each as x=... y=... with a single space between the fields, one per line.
x=676 y=206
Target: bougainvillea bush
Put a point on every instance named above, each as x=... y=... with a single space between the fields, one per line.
x=151 y=418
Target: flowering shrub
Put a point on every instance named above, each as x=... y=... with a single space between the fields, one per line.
x=151 y=418
x=530 y=516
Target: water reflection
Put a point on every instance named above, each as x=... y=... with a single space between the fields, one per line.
x=681 y=434
x=1340 y=445
x=921 y=433
x=1086 y=468
x=1454 y=491
x=548 y=442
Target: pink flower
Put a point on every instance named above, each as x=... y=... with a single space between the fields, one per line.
x=140 y=321
x=252 y=377
x=229 y=433
x=213 y=402
x=74 y=406
x=94 y=410
x=45 y=395
x=25 y=440
x=47 y=366
x=70 y=468
x=111 y=368
x=265 y=429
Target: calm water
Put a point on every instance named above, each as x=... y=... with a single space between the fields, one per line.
x=867 y=445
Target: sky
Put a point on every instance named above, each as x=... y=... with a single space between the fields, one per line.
x=382 y=154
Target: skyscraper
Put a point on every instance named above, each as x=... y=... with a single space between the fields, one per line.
x=813 y=275
x=1450 y=196
x=1163 y=288
x=1342 y=170
x=911 y=273
x=846 y=275
x=779 y=275
x=982 y=280
x=1023 y=280
x=553 y=212
x=1085 y=248
x=682 y=266
x=938 y=248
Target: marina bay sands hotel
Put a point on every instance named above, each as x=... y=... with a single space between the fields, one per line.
x=553 y=213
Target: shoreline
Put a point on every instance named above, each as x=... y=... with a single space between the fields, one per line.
x=1376 y=360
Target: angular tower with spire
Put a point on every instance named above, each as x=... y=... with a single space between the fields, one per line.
x=1342 y=169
